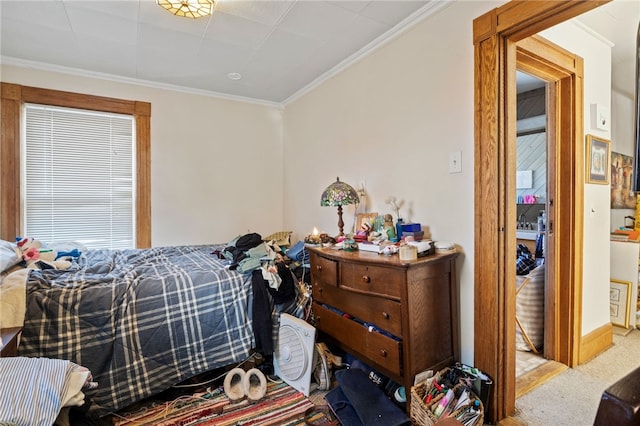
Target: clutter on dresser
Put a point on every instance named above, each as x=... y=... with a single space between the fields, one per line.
x=408 y=252
x=317 y=238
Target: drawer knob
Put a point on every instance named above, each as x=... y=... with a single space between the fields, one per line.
x=319 y=267
x=383 y=353
x=366 y=279
x=385 y=315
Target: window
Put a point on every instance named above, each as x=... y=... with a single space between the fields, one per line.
x=78 y=176
x=15 y=100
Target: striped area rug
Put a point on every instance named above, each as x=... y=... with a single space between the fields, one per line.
x=282 y=405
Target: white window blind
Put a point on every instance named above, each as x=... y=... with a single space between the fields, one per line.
x=78 y=177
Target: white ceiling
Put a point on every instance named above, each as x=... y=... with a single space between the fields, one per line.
x=281 y=48
x=278 y=47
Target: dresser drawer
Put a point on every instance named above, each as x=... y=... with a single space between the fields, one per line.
x=371 y=279
x=324 y=270
x=384 y=313
x=383 y=350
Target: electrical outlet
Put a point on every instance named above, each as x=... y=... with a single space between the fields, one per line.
x=455 y=162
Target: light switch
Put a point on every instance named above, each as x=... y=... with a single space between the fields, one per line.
x=455 y=162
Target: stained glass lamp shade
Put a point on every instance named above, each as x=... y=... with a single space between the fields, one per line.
x=339 y=194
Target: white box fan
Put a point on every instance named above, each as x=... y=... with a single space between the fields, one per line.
x=293 y=360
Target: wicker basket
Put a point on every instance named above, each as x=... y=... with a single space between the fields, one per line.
x=423 y=414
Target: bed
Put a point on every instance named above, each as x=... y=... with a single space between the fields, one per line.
x=142 y=320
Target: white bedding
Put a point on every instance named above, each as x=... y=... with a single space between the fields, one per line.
x=12 y=298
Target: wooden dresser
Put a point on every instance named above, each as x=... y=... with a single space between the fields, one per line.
x=409 y=309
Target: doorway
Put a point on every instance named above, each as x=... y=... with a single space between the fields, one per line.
x=500 y=37
x=538 y=325
x=530 y=200
x=562 y=72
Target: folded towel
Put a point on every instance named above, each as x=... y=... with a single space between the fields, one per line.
x=45 y=386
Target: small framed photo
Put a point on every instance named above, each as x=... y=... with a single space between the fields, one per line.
x=620 y=302
x=365 y=217
x=598 y=160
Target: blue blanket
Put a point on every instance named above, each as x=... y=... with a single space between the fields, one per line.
x=139 y=320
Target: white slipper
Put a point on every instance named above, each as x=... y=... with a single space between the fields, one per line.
x=234 y=384
x=255 y=385
x=321 y=372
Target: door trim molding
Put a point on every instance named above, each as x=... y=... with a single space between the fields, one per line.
x=563 y=72
x=495 y=35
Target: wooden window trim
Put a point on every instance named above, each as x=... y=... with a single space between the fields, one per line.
x=14 y=96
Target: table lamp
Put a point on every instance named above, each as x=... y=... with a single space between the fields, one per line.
x=339 y=194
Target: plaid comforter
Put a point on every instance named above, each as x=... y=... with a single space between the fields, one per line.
x=139 y=320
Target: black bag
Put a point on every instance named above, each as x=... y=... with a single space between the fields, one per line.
x=357 y=401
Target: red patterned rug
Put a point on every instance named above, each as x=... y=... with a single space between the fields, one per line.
x=282 y=405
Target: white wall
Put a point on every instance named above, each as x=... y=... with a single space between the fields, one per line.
x=596 y=53
x=391 y=120
x=216 y=165
x=622 y=141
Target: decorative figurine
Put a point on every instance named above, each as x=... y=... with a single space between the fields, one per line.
x=389 y=229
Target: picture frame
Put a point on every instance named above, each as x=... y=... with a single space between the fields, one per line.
x=622 y=178
x=365 y=217
x=619 y=302
x=598 y=166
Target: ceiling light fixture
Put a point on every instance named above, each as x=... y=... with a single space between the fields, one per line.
x=234 y=76
x=188 y=8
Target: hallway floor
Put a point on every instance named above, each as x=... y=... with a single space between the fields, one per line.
x=527 y=362
x=576 y=391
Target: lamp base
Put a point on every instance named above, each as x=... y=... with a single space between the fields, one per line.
x=340 y=222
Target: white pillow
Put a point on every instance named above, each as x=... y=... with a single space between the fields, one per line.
x=9 y=255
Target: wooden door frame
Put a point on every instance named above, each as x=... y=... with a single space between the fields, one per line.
x=563 y=72
x=495 y=36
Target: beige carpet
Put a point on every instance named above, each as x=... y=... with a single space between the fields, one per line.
x=572 y=397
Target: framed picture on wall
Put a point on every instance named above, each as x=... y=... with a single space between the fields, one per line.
x=598 y=160
x=619 y=302
x=622 y=194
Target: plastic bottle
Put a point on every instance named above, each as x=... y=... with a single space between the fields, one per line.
x=443 y=403
x=541 y=221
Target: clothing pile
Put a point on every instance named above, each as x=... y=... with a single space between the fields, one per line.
x=357 y=401
x=525 y=262
x=272 y=283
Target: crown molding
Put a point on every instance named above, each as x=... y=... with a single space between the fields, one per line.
x=41 y=66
